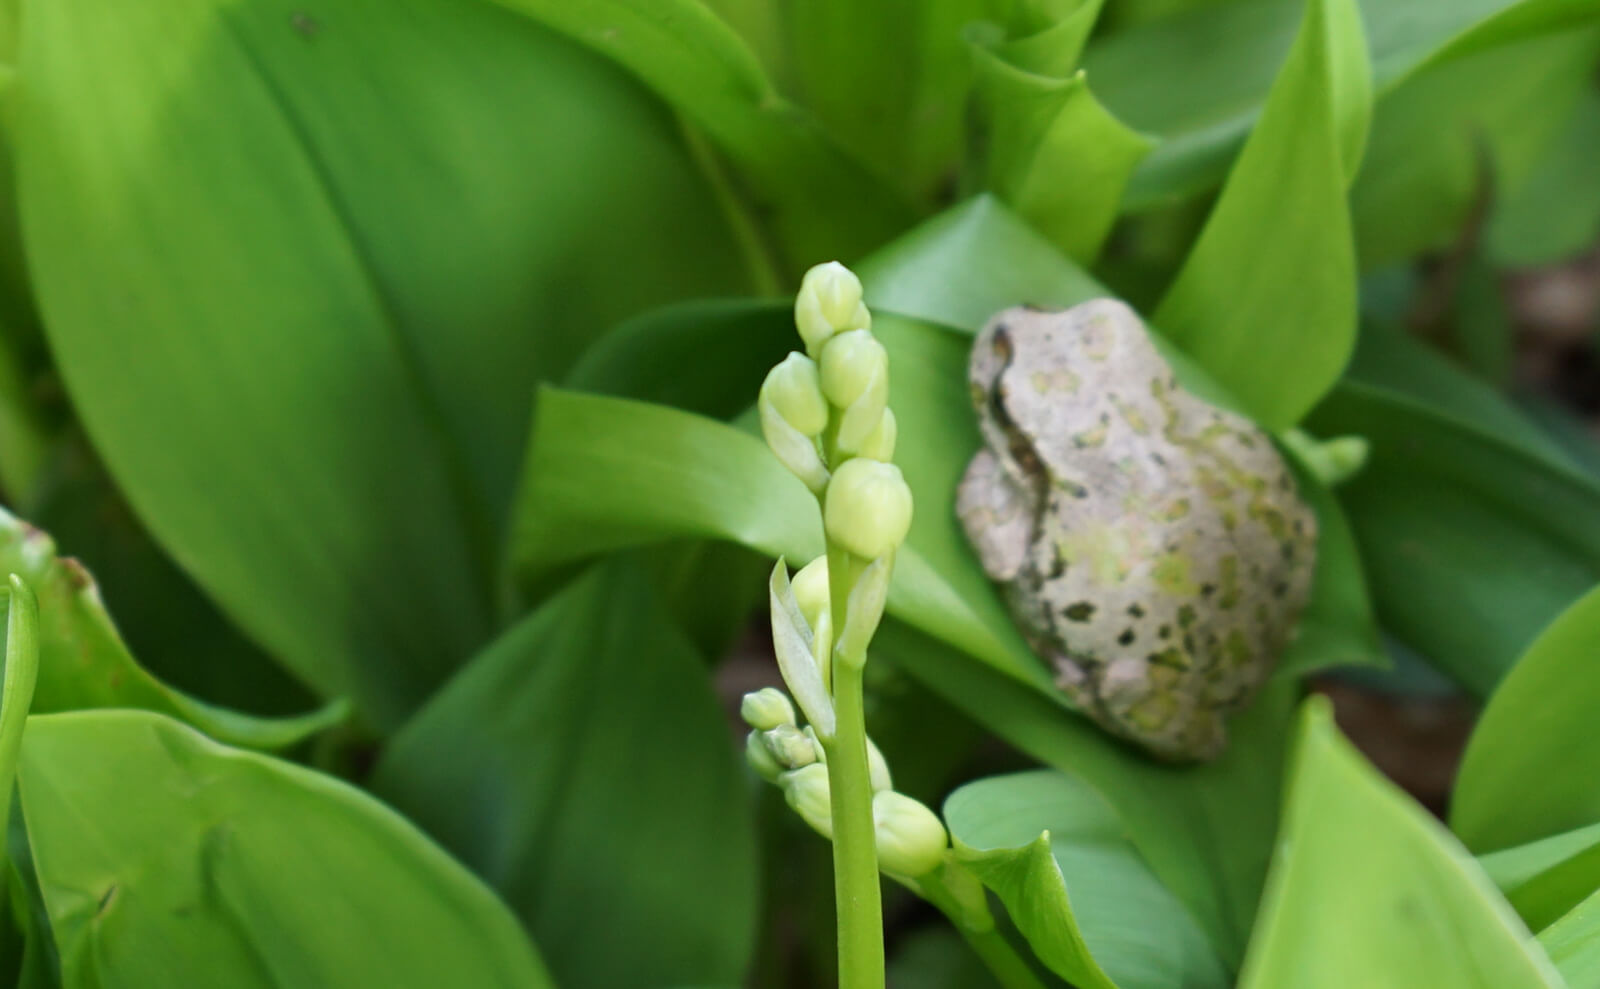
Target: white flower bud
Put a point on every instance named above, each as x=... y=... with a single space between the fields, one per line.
x=810 y=587
x=878 y=769
x=879 y=444
x=868 y=507
x=760 y=759
x=816 y=744
x=795 y=391
x=855 y=377
x=766 y=709
x=790 y=746
x=829 y=301
x=806 y=791
x=794 y=449
x=911 y=838
x=852 y=363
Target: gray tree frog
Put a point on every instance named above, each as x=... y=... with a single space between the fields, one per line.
x=1152 y=547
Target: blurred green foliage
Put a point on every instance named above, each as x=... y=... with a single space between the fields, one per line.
x=390 y=364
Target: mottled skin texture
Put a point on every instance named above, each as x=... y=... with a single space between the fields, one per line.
x=1153 y=547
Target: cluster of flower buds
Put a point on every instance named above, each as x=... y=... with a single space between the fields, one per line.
x=911 y=839
x=825 y=414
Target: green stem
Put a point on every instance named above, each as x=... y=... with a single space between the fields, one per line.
x=1001 y=959
x=855 y=853
x=960 y=897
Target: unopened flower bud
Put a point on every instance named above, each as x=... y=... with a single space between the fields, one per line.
x=760 y=759
x=879 y=444
x=829 y=301
x=911 y=838
x=868 y=507
x=794 y=449
x=806 y=791
x=766 y=709
x=816 y=744
x=878 y=769
x=790 y=746
x=852 y=363
x=854 y=374
x=795 y=391
x=811 y=590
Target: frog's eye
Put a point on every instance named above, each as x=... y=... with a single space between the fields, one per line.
x=1000 y=343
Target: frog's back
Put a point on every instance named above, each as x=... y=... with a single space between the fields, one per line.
x=1172 y=554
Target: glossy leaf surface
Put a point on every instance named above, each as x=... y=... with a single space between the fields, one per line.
x=167 y=859
x=1057 y=856
x=581 y=764
x=1266 y=299
x=1538 y=724
x=1368 y=889
x=345 y=322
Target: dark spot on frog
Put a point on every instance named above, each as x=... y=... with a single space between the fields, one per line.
x=1134 y=611
x=1158 y=459
x=1164 y=632
x=304 y=24
x=1280 y=589
x=1075 y=489
x=1186 y=616
x=106 y=899
x=1126 y=638
x=1206 y=590
x=1058 y=566
x=1079 y=611
x=1170 y=658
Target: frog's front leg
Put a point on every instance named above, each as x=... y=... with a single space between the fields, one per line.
x=998 y=515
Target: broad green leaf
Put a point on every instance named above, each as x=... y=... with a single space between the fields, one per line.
x=581 y=764
x=606 y=474
x=1554 y=212
x=1338 y=626
x=888 y=80
x=706 y=356
x=169 y=860
x=16 y=692
x=163 y=617
x=1538 y=725
x=1573 y=943
x=1203 y=830
x=342 y=319
x=968 y=263
x=1459 y=133
x=1546 y=878
x=1198 y=80
x=1391 y=360
x=1266 y=300
x=1446 y=508
x=1058 y=857
x=1367 y=889
x=821 y=202
x=1046 y=146
x=84 y=663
